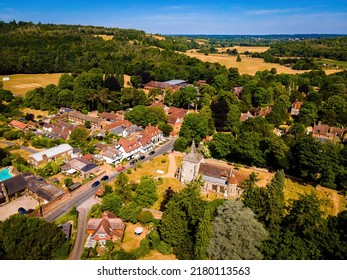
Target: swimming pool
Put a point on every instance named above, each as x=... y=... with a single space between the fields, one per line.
x=5 y=174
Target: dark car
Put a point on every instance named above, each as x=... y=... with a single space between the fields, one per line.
x=22 y=211
x=142 y=157
x=151 y=153
x=132 y=162
x=104 y=178
x=30 y=210
x=95 y=184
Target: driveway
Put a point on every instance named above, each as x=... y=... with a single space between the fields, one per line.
x=9 y=143
x=11 y=208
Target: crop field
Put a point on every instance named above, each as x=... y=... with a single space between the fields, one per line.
x=248 y=65
x=105 y=37
x=19 y=84
x=242 y=49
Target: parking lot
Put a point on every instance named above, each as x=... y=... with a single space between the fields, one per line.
x=11 y=208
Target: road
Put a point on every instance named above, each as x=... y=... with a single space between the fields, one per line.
x=80 y=197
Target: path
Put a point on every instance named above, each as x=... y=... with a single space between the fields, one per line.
x=172 y=167
x=9 y=143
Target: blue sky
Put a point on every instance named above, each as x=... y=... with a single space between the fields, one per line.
x=188 y=17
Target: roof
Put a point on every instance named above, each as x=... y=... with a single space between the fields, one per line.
x=74 y=186
x=151 y=131
x=193 y=155
x=215 y=171
x=145 y=141
x=325 y=130
x=15 y=184
x=155 y=84
x=297 y=104
x=88 y=167
x=176 y=82
x=88 y=157
x=18 y=124
x=63 y=148
x=111 y=116
x=79 y=115
x=110 y=151
x=107 y=224
x=129 y=144
x=177 y=112
x=123 y=123
x=246 y=116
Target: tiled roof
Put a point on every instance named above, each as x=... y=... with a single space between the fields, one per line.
x=108 y=224
x=215 y=171
x=151 y=131
x=18 y=124
x=129 y=144
x=81 y=116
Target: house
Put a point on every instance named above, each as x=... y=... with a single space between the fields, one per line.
x=111 y=155
x=108 y=227
x=217 y=178
x=237 y=91
x=176 y=115
x=18 y=125
x=112 y=116
x=12 y=186
x=146 y=144
x=153 y=133
x=88 y=157
x=296 y=106
x=122 y=128
x=81 y=165
x=325 y=132
x=52 y=154
x=245 y=116
x=79 y=119
x=172 y=84
x=58 y=130
x=128 y=147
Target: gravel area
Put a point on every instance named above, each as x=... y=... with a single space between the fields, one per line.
x=11 y=208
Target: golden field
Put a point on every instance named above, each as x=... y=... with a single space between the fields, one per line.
x=19 y=84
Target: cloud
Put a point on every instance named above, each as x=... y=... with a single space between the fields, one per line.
x=271 y=11
x=177 y=7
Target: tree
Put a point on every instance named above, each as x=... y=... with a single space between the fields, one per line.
x=146 y=192
x=68 y=182
x=79 y=136
x=236 y=233
x=112 y=202
x=169 y=193
x=238 y=59
x=87 y=125
x=194 y=127
x=203 y=236
x=232 y=122
x=31 y=238
x=122 y=187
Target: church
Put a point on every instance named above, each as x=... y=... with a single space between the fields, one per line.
x=217 y=178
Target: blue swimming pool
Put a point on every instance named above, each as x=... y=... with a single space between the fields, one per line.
x=5 y=174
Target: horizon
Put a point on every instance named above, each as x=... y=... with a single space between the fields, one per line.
x=189 y=17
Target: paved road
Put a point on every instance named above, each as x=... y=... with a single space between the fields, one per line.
x=81 y=231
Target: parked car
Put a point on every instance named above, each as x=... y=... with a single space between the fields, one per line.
x=120 y=168
x=96 y=184
x=104 y=178
x=132 y=162
x=30 y=210
x=142 y=157
x=22 y=211
x=151 y=153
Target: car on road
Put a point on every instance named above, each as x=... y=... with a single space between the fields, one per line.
x=120 y=168
x=151 y=153
x=96 y=184
x=132 y=162
x=22 y=211
x=104 y=178
x=142 y=157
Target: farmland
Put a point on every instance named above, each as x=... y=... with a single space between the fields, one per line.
x=248 y=65
x=19 y=84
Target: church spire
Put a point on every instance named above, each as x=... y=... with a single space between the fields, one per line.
x=193 y=149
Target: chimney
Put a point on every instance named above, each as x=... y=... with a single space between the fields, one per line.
x=44 y=158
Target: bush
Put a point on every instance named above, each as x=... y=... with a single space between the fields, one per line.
x=143 y=250
x=160 y=181
x=164 y=248
x=129 y=171
x=155 y=238
x=109 y=245
x=163 y=160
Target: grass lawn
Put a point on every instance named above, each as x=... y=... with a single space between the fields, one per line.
x=24 y=154
x=333 y=62
x=19 y=84
x=167 y=182
x=150 y=168
x=131 y=241
x=156 y=255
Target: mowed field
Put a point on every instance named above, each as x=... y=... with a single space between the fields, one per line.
x=248 y=65
x=242 y=49
x=19 y=84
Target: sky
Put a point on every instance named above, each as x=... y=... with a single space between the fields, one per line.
x=188 y=17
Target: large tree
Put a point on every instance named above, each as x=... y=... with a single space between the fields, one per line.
x=30 y=238
x=236 y=233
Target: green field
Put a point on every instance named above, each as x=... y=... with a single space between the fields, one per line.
x=333 y=62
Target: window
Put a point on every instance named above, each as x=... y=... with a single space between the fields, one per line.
x=101 y=235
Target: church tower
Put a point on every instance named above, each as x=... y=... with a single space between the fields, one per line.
x=190 y=165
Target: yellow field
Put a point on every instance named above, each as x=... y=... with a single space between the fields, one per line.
x=127 y=81
x=242 y=49
x=105 y=37
x=156 y=255
x=19 y=84
x=131 y=241
x=248 y=65
x=156 y=37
